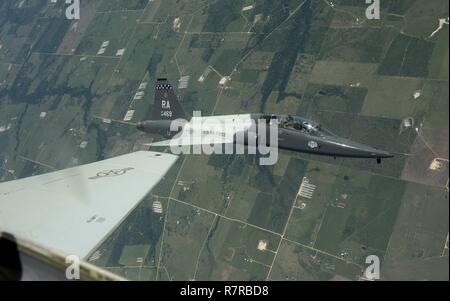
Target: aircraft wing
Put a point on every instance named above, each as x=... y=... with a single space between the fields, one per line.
x=186 y=139
x=73 y=210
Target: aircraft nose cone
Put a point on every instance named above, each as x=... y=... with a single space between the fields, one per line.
x=356 y=149
x=376 y=153
x=368 y=151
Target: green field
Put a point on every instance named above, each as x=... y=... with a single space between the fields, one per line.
x=359 y=78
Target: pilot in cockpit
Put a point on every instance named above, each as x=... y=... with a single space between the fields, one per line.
x=307 y=127
x=287 y=121
x=311 y=127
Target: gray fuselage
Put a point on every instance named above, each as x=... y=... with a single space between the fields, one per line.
x=294 y=133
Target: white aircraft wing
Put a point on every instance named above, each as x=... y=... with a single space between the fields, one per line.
x=186 y=139
x=73 y=210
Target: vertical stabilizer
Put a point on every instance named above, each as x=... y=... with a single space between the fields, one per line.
x=166 y=105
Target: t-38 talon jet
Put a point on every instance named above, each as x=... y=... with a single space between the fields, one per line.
x=294 y=133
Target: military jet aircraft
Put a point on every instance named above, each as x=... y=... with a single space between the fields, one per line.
x=294 y=133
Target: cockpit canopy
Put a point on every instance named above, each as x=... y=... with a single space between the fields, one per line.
x=297 y=123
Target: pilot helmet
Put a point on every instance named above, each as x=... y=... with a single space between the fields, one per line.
x=311 y=126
